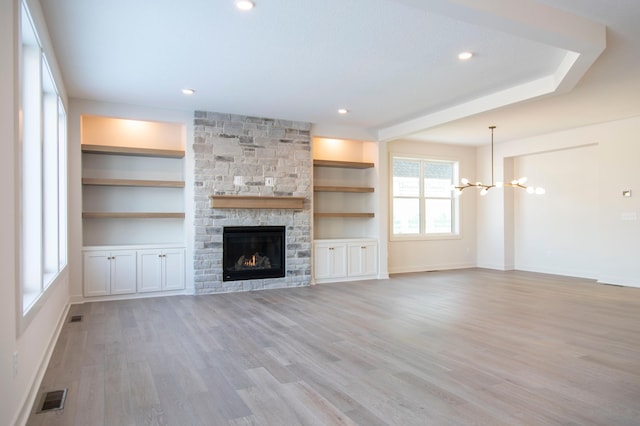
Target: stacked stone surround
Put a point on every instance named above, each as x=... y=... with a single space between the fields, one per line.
x=226 y=146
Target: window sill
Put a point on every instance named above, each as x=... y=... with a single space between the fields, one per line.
x=432 y=237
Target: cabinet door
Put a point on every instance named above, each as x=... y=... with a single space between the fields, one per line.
x=149 y=270
x=123 y=272
x=363 y=259
x=330 y=261
x=339 y=260
x=173 y=269
x=322 y=261
x=96 y=275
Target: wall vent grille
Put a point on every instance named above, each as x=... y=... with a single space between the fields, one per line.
x=53 y=400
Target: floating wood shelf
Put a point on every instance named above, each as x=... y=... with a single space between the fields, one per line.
x=126 y=150
x=134 y=182
x=132 y=215
x=343 y=164
x=347 y=215
x=342 y=189
x=255 y=202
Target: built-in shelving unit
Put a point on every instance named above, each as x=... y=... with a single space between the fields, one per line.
x=345 y=227
x=355 y=165
x=132 y=180
x=132 y=207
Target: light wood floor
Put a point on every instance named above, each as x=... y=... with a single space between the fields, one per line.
x=441 y=348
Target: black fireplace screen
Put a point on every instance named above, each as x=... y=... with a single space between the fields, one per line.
x=253 y=252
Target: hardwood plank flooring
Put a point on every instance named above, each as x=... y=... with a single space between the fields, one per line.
x=442 y=348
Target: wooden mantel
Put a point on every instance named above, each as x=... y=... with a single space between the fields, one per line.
x=255 y=202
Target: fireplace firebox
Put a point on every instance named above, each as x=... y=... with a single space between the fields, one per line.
x=253 y=252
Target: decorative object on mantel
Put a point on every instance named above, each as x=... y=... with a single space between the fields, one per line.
x=516 y=183
x=255 y=202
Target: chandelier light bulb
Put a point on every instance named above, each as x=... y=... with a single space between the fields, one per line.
x=531 y=190
x=522 y=180
x=464 y=181
x=540 y=191
x=484 y=191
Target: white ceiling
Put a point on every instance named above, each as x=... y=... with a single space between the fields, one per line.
x=392 y=63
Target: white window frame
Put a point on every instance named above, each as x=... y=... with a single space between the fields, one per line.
x=455 y=201
x=42 y=172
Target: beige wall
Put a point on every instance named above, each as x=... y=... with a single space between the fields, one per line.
x=436 y=254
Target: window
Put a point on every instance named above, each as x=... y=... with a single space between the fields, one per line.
x=423 y=201
x=43 y=170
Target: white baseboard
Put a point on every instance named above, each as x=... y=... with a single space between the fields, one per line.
x=25 y=411
x=612 y=280
x=441 y=267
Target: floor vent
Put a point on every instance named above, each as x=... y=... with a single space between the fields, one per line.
x=76 y=318
x=53 y=400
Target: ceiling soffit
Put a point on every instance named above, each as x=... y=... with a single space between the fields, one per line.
x=581 y=40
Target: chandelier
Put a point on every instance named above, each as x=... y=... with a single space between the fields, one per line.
x=484 y=188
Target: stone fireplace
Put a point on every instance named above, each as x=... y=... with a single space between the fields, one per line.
x=237 y=156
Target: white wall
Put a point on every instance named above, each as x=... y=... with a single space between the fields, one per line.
x=34 y=342
x=603 y=158
x=432 y=254
x=558 y=233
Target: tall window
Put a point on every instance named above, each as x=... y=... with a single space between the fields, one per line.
x=423 y=202
x=43 y=169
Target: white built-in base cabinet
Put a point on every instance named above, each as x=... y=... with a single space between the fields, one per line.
x=329 y=261
x=345 y=260
x=109 y=272
x=160 y=270
x=117 y=271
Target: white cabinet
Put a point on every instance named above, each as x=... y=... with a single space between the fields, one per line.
x=330 y=260
x=363 y=258
x=160 y=269
x=109 y=272
x=125 y=270
x=345 y=260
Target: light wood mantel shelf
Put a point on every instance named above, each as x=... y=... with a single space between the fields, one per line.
x=255 y=202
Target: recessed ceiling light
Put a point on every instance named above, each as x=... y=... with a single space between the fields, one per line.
x=464 y=56
x=188 y=91
x=343 y=111
x=244 y=4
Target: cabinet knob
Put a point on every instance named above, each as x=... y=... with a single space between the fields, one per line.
x=362 y=247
